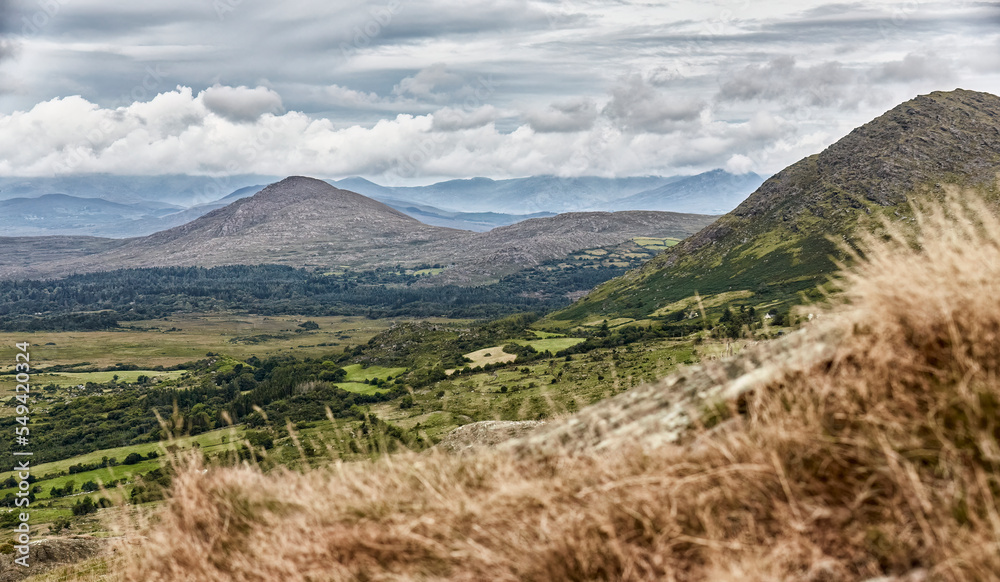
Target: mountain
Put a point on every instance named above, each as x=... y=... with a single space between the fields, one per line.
x=519 y=195
x=171 y=190
x=780 y=240
x=72 y=215
x=300 y=221
x=715 y=192
x=510 y=248
x=305 y=222
x=475 y=221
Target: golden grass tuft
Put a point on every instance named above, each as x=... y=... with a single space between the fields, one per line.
x=881 y=461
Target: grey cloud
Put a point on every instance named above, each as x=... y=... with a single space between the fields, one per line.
x=430 y=82
x=987 y=60
x=635 y=106
x=914 y=67
x=826 y=84
x=564 y=116
x=7 y=16
x=241 y=104
x=455 y=119
x=8 y=47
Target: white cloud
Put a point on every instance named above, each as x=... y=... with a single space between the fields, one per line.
x=739 y=164
x=176 y=132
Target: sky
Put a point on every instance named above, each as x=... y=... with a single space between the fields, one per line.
x=411 y=92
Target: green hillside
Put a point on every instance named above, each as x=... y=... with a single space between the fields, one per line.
x=781 y=240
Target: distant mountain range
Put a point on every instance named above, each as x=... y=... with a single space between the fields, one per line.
x=780 y=240
x=128 y=206
x=714 y=192
x=305 y=222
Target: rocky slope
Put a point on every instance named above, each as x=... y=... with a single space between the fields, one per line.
x=780 y=240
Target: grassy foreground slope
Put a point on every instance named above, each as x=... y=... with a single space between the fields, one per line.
x=873 y=457
x=778 y=242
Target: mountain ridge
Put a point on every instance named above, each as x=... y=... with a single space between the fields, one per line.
x=306 y=222
x=780 y=239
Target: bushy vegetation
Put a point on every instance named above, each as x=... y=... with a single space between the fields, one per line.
x=102 y=300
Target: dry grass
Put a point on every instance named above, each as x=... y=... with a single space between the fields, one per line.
x=882 y=461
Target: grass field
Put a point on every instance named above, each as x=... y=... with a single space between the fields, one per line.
x=182 y=338
x=657 y=244
x=611 y=322
x=355 y=373
x=553 y=344
x=489 y=356
x=545 y=334
x=542 y=389
x=211 y=441
x=77 y=378
x=46 y=509
x=360 y=387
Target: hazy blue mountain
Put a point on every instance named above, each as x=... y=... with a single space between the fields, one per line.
x=475 y=221
x=715 y=192
x=72 y=215
x=527 y=195
x=170 y=190
x=149 y=204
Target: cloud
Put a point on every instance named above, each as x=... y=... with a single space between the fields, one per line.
x=914 y=67
x=739 y=164
x=8 y=46
x=564 y=116
x=435 y=82
x=349 y=98
x=241 y=103
x=177 y=132
x=454 y=119
x=986 y=59
x=781 y=79
x=636 y=106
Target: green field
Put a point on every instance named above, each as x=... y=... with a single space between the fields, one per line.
x=77 y=378
x=360 y=387
x=357 y=373
x=211 y=441
x=657 y=244
x=545 y=334
x=546 y=388
x=553 y=344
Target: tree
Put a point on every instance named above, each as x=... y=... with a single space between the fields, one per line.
x=132 y=459
x=84 y=506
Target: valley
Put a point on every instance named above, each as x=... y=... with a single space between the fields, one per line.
x=305 y=328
